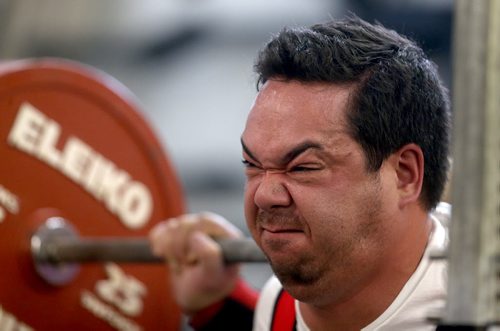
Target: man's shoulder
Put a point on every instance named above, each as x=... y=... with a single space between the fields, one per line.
x=424 y=293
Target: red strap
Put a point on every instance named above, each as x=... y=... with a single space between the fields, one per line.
x=284 y=313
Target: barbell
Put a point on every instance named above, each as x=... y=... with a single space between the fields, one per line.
x=56 y=242
x=83 y=179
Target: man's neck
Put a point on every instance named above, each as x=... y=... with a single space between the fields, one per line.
x=370 y=301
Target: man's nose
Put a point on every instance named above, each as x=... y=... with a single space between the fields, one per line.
x=272 y=192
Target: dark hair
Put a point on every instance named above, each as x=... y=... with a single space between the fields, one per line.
x=399 y=97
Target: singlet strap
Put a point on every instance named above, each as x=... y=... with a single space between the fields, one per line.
x=284 y=313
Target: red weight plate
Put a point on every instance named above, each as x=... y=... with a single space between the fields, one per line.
x=72 y=144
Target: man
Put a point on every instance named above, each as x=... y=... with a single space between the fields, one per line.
x=346 y=155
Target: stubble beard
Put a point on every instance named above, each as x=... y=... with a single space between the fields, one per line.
x=307 y=276
x=298 y=269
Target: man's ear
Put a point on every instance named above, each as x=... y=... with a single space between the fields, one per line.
x=409 y=166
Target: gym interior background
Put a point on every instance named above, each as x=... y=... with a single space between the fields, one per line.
x=189 y=63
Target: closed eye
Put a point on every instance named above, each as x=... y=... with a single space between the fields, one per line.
x=303 y=169
x=248 y=164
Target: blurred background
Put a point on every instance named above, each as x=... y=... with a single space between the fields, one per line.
x=189 y=62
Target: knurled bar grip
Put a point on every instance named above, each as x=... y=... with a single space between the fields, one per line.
x=55 y=250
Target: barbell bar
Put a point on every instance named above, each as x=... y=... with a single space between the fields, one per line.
x=56 y=242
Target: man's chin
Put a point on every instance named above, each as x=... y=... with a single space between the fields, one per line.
x=299 y=291
x=292 y=274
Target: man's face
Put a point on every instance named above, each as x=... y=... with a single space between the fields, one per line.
x=310 y=203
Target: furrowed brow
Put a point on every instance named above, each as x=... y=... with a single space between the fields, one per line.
x=300 y=149
x=290 y=155
x=246 y=150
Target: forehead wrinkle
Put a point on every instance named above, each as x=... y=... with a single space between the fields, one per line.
x=275 y=119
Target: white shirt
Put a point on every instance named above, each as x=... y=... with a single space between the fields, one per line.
x=423 y=294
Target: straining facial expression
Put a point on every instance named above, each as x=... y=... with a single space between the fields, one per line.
x=311 y=203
